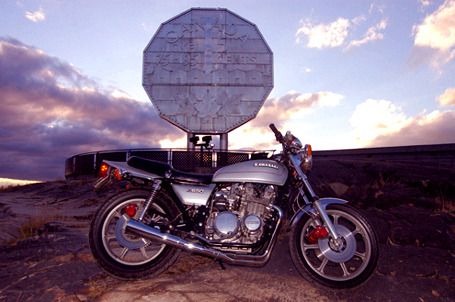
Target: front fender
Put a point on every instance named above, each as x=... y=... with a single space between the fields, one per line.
x=308 y=209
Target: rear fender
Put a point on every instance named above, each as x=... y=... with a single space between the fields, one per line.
x=126 y=171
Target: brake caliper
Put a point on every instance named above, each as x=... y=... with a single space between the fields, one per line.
x=131 y=210
x=319 y=232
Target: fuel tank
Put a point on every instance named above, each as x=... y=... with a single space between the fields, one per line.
x=256 y=171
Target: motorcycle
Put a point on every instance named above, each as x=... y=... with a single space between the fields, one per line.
x=233 y=216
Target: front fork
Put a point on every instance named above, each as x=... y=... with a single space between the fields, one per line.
x=317 y=209
x=319 y=204
x=326 y=219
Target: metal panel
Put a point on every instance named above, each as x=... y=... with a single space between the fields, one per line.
x=193 y=194
x=208 y=70
x=257 y=171
x=84 y=164
x=70 y=167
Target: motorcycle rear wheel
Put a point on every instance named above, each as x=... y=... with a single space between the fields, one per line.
x=124 y=255
x=345 y=266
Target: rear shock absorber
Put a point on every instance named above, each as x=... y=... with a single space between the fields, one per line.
x=155 y=188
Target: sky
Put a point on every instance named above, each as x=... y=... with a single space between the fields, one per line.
x=347 y=74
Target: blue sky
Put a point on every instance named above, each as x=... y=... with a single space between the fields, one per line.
x=347 y=74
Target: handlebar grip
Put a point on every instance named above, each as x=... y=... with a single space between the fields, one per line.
x=274 y=129
x=278 y=135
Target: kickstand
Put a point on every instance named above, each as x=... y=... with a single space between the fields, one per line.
x=221 y=264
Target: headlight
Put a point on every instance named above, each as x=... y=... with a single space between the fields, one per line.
x=295 y=145
x=306 y=158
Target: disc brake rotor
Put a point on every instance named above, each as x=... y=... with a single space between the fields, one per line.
x=346 y=250
x=129 y=241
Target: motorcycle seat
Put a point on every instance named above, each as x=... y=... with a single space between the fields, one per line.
x=167 y=171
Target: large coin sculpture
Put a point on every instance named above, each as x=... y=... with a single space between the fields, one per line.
x=208 y=71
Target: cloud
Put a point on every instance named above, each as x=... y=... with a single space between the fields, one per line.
x=51 y=111
x=373 y=118
x=382 y=123
x=447 y=98
x=294 y=104
x=373 y=33
x=425 y=3
x=433 y=128
x=436 y=34
x=36 y=16
x=306 y=70
x=6 y=182
x=324 y=35
x=279 y=111
x=340 y=33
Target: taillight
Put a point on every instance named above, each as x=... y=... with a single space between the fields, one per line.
x=104 y=170
x=117 y=174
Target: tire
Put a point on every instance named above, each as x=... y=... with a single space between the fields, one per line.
x=347 y=267
x=125 y=255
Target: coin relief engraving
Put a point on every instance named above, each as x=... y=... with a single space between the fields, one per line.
x=208 y=70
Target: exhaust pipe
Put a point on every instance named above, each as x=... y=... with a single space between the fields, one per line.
x=143 y=230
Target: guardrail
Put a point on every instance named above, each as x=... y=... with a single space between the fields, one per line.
x=207 y=161
x=210 y=160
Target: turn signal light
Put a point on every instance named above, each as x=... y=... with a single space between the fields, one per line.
x=104 y=170
x=309 y=150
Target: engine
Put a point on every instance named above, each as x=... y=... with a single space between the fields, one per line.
x=240 y=212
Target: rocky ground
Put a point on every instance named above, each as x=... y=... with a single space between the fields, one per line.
x=44 y=252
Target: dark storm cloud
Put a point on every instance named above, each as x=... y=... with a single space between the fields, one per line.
x=49 y=111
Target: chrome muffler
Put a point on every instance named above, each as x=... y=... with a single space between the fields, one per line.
x=140 y=229
x=143 y=230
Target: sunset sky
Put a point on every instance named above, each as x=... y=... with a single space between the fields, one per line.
x=347 y=74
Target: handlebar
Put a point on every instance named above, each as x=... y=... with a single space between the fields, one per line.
x=279 y=137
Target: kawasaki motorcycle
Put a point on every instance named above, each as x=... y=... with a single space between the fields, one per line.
x=233 y=216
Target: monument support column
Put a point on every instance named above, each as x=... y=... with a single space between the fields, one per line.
x=189 y=145
x=224 y=142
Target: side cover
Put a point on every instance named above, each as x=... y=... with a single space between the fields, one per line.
x=256 y=171
x=193 y=194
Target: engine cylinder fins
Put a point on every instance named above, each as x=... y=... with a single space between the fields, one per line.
x=226 y=224
x=269 y=193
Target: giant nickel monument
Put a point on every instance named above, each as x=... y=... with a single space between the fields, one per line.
x=208 y=71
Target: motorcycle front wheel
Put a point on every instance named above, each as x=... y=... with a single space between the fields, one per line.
x=343 y=264
x=126 y=255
